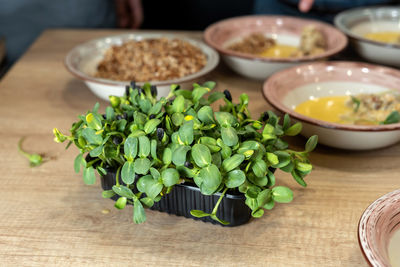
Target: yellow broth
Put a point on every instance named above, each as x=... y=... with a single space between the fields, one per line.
x=328 y=109
x=280 y=51
x=384 y=37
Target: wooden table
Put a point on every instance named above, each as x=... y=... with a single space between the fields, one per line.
x=48 y=216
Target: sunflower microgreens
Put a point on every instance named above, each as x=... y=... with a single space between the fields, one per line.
x=156 y=144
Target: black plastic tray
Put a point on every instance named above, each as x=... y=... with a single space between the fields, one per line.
x=184 y=198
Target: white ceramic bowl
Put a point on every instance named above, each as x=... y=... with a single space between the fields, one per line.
x=288 y=88
x=285 y=30
x=355 y=23
x=82 y=61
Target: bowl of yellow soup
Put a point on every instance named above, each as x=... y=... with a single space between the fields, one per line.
x=257 y=46
x=373 y=32
x=349 y=105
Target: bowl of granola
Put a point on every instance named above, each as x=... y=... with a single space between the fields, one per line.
x=349 y=105
x=258 y=46
x=108 y=64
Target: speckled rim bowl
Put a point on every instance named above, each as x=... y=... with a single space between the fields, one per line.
x=359 y=21
x=286 y=30
x=220 y=33
x=376 y=226
x=83 y=59
x=288 y=88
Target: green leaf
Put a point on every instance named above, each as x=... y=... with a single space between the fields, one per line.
x=298 y=178
x=96 y=151
x=268 y=132
x=123 y=191
x=199 y=213
x=271 y=178
x=235 y=179
x=177 y=119
x=121 y=124
x=209 y=84
x=156 y=108
x=137 y=133
x=225 y=119
x=201 y=155
x=139 y=118
x=394 y=117
x=155 y=173
x=186 y=132
x=144 y=146
x=258 y=213
x=111 y=151
x=244 y=99
x=232 y=162
x=264 y=197
x=148 y=202
x=91 y=137
x=151 y=125
x=108 y=194
x=78 y=162
x=206 y=115
x=293 y=130
x=286 y=122
x=282 y=194
x=145 y=105
x=303 y=167
x=198 y=92
x=283 y=159
x=120 y=203
x=178 y=105
x=130 y=148
x=153 y=148
x=101 y=171
x=311 y=143
x=229 y=136
x=251 y=203
x=272 y=158
x=93 y=121
x=211 y=179
x=259 y=168
x=170 y=177
x=248 y=145
x=139 y=215
x=167 y=156
x=269 y=205
x=89 y=176
x=142 y=166
x=215 y=218
x=128 y=172
x=215 y=96
x=179 y=155
x=110 y=115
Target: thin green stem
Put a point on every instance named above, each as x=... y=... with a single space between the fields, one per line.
x=20 y=150
x=214 y=212
x=117 y=176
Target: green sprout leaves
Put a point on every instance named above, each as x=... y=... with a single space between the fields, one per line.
x=152 y=145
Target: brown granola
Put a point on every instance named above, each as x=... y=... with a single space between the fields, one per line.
x=255 y=43
x=151 y=60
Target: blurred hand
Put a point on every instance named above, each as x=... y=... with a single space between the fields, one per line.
x=305 y=5
x=129 y=13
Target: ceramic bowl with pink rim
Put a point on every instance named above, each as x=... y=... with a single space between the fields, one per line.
x=284 y=30
x=379 y=23
x=379 y=231
x=288 y=88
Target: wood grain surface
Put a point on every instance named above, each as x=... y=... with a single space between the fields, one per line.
x=49 y=217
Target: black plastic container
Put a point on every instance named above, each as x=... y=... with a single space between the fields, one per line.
x=184 y=198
